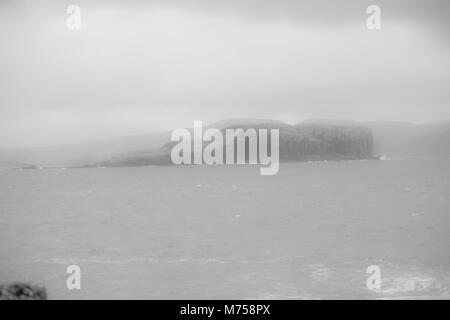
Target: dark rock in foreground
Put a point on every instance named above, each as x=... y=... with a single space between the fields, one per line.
x=22 y=291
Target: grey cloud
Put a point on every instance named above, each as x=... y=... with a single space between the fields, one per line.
x=160 y=64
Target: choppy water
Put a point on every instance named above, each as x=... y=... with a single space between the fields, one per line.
x=309 y=232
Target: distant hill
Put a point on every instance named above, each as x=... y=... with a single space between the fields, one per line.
x=309 y=140
x=302 y=142
x=80 y=154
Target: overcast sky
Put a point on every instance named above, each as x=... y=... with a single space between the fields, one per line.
x=138 y=67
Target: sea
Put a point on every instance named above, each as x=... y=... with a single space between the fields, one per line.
x=226 y=232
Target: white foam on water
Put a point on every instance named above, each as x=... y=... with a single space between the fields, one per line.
x=320 y=272
x=411 y=287
x=277 y=296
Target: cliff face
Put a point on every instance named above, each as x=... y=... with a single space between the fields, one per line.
x=324 y=142
x=302 y=142
x=403 y=139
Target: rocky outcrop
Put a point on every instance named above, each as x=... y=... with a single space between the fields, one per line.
x=324 y=142
x=302 y=142
x=22 y=291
